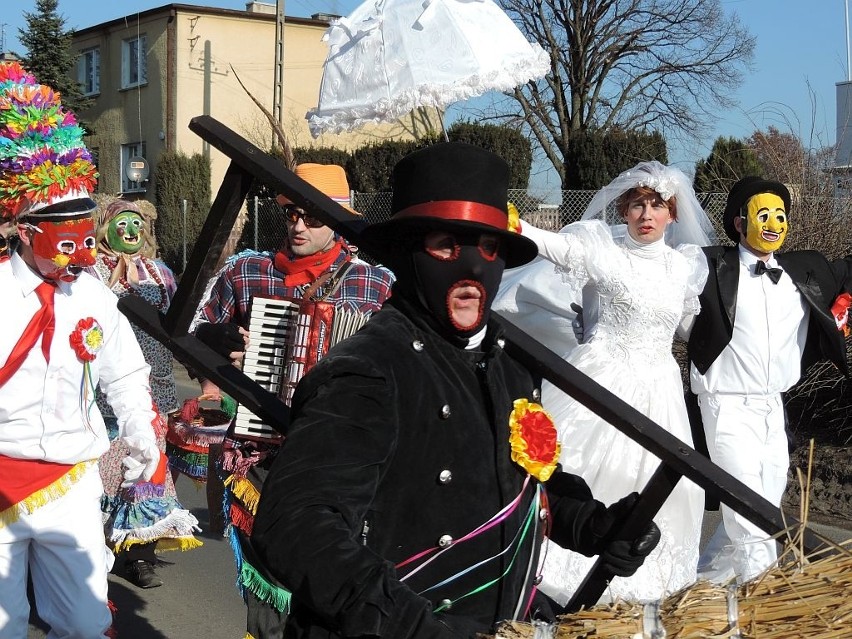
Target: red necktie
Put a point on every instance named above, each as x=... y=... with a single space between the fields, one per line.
x=42 y=323
x=45 y=293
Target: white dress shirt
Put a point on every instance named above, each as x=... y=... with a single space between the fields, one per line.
x=40 y=405
x=764 y=355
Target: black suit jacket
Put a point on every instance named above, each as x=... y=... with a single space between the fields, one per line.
x=818 y=280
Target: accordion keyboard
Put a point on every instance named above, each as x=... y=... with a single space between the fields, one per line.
x=269 y=327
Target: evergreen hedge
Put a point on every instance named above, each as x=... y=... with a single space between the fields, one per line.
x=181 y=177
x=595 y=158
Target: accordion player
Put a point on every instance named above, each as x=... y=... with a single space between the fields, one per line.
x=287 y=337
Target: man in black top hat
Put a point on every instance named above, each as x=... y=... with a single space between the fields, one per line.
x=409 y=497
x=765 y=317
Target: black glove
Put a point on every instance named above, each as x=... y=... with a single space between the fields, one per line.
x=622 y=557
x=578 y=325
x=223 y=338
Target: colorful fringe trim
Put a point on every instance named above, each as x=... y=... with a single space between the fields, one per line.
x=248 y=578
x=241 y=518
x=245 y=491
x=181 y=433
x=189 y=463
x=145 y=490
x=239 y=504
x=278 y=598
x=178 y=525
x=163 y=544
x=238 y=457
x=49 y=493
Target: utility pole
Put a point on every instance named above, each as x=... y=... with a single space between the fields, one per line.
x=278 y=96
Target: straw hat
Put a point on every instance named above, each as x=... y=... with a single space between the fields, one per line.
x=328 y=178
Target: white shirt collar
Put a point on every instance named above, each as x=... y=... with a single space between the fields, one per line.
x=749 y=259
x=28 y=279
x=475 y=340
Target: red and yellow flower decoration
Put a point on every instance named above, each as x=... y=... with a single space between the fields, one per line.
x=533 y=437
x=840 y=311
x=87 y=339
x=514 y=222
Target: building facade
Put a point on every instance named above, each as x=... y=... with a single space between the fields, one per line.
x=151 y=72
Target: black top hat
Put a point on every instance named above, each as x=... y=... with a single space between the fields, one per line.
x=451 y=186
x=746 y=188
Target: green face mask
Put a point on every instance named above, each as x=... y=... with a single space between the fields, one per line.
x=124 y=233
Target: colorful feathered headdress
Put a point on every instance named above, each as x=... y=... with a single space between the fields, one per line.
x=43 y=160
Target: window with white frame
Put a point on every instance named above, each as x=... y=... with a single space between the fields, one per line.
x=134 y=61
x=128 y=151
x=89 y=70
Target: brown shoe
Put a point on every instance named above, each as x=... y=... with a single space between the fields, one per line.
x=141 y=573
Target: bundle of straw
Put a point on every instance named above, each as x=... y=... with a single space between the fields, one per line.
x=800 y=596
x=810 y=599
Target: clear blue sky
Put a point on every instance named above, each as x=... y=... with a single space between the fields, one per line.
x=801 y=54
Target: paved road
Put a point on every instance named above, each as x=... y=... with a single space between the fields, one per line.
x=198 y=597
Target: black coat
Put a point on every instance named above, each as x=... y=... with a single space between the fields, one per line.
x=818 y=280
x=358 y=487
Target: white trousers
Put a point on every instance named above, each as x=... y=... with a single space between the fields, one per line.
x=62 y=544
x=746 y=438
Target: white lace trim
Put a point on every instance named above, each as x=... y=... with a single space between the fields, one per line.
x=393 y=107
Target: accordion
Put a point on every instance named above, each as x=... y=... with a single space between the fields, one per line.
x=287 y=337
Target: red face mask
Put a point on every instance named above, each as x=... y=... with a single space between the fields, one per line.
x=63 y=249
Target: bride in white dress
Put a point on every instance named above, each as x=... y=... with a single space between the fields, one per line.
x=635 y=289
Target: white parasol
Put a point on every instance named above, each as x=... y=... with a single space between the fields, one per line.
x=390 y=57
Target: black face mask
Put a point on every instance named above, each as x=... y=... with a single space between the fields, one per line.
x=473 y=262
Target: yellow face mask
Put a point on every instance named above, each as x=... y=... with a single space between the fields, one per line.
x=766 y=222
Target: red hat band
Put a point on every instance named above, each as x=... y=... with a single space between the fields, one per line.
x=457 y=211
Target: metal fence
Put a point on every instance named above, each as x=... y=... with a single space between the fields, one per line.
x=826 y=227
x=264 y=229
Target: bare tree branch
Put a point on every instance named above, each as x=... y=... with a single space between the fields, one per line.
x=664 y=65
x=286 y=149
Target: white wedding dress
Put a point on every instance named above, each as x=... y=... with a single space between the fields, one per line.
x=634 y=296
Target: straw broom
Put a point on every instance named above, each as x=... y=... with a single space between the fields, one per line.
x=800 y=596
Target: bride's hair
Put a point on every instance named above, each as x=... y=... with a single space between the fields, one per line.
x=623 y=201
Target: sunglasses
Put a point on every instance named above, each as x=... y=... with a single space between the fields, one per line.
x=293 y=213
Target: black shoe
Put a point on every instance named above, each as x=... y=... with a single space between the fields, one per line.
x=141 y=573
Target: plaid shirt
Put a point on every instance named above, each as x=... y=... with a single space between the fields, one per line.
x=363 y=288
